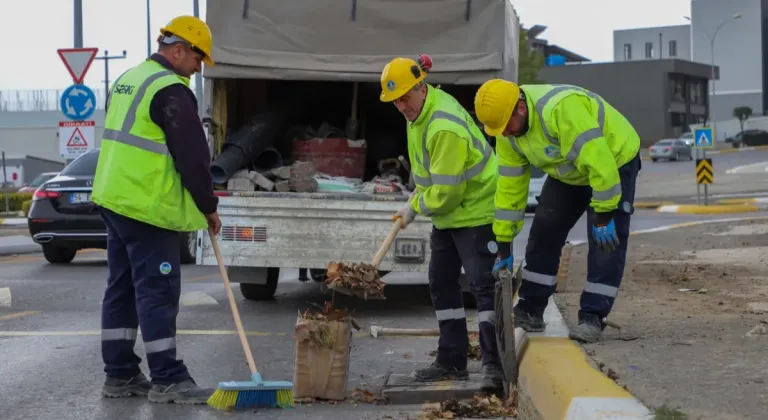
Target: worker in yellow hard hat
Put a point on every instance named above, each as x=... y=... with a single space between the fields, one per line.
x=455 y=173
x=590 y=153
x=154 y=189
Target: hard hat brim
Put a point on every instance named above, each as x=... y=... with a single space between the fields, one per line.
x=494 y=131
x=208 y=61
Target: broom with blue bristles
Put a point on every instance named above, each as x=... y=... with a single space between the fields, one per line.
x=255 y=393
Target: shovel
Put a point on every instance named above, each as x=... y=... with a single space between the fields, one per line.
x=377 y=258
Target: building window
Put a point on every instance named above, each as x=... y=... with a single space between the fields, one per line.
x=677 y=90
x=627 y=51
x=673 y=48
x=649 y=50
x=697 y=93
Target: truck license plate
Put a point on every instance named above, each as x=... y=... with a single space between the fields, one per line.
x=79 y=198
x=409 y=250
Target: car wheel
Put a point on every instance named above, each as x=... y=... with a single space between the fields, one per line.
x=267 y=291
x=188 y=247
x=677 y=157
x=57 y=255
x=654 y=159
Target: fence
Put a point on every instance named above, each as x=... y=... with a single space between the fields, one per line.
x=38 y=100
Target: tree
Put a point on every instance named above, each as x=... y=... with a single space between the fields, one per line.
x=742 y=113
x=531 y=61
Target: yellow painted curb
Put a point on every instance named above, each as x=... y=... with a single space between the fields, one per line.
x=1 y=221
x=558 y=380
x=713 y=209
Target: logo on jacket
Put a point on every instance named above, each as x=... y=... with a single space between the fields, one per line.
x=552 y=151
x=165 y=268
x=391 y=85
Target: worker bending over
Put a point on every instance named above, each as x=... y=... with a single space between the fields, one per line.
x=153 y=182
x=590 y=154
x=455 y=172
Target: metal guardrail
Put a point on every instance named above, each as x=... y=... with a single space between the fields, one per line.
x=38 y=100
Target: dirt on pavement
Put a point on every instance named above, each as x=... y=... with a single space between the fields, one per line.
x=692 y=307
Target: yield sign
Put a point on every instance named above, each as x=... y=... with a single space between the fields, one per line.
x=77 y=60
x=77 y=139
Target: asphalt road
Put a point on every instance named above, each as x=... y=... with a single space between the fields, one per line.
x=676 y=181
x=50 y=364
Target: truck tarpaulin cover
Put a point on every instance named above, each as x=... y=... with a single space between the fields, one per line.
x=470 y=41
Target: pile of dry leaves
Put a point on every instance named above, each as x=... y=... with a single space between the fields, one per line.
x=479 y=407
x=474 y=347
x=355 y=277
x=314 y=326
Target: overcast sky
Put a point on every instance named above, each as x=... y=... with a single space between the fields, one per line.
x=34 y=29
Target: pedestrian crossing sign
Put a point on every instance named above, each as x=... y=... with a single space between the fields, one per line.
x=702 y=138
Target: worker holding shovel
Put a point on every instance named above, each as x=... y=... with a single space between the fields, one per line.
x=455 y=173
x=590 y=153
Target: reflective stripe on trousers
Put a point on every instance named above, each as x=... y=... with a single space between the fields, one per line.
x=130 y=334
x=124 y=134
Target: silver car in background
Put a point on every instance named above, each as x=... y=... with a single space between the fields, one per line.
x=670 y=149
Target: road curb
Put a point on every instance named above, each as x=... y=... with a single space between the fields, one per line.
x=13 y=221
x=557 y=381
x=713 y=209
x=753 y=200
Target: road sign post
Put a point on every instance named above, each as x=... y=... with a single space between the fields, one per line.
x=703 y=139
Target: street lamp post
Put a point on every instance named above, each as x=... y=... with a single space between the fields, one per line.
x=712 y=118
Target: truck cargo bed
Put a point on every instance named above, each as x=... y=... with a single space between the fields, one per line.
x=308 y=230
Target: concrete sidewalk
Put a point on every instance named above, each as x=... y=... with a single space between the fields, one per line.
x=692 y=308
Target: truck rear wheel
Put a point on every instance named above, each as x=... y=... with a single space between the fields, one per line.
x=253 y=291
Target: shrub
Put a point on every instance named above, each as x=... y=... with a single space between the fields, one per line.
x=25 y=207
x=15 y=201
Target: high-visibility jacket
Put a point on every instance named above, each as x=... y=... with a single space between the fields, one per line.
x=453 y=165
x=575 y=136
x=135 y=174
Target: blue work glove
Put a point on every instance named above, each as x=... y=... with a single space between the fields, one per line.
x=604 y=233
x=504 y=260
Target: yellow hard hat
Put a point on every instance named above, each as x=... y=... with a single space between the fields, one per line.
x=401 y=74
x=195 y=32
x=494 y=103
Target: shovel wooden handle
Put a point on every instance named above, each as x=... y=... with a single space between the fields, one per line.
x=396 y=226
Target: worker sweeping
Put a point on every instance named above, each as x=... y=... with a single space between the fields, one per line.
x=455 y=172
x=153 y=182
x=590 y=153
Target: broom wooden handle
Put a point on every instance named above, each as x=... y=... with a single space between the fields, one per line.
x=396 y=226
x=233 y=304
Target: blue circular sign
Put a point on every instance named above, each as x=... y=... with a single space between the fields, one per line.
x=78 y=102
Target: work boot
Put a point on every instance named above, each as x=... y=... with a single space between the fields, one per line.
x=120 y=388
x=589 y=330
x=493 y=378
x=528 y=321
x=437 y=372
x=184 y=392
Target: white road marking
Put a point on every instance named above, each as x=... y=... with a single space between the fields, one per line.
x=197 y=298
x=751 y=168
x=5 y=297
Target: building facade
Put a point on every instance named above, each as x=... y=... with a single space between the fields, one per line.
x=548 y=50
x=661 y=98
x=652 y=43
x=739 y=51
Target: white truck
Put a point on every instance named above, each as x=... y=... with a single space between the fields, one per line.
x=265 y=48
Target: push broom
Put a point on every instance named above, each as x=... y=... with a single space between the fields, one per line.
x=255 y=393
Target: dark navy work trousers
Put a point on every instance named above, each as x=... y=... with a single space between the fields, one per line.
x=143 y=289
x=474 y=248
x=560 y=207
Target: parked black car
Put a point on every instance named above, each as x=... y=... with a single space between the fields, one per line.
x=64 y=220
x=755 y=137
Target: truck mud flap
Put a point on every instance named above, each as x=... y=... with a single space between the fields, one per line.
x=505 y=291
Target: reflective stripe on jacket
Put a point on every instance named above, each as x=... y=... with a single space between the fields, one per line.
x=135 y=174
x=574 y=136
x=453 y=165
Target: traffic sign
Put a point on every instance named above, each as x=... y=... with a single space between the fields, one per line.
x=704 y=173
x=78 y=61
x=76 y=137
x=78 y=102
x=702 y=138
